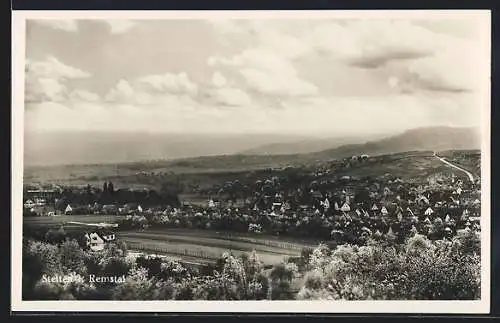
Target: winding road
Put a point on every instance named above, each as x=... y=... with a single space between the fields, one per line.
x=469 y=174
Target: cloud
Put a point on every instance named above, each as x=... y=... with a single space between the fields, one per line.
x=421 y=58
x=418 y=49
x=162 y=89
x=172 y=91
x=84 y=95
x=308 y=116
x=326 y=77
x=232 y=97
x=122 y=91
x=66 y=25
x=218 y=79
x=120 y=26
x=378 y=61
x=443 y=72
x=267 y=72
x=171 y=83
x=278 y=84
x=225 y=94
x=46 y=80
x=371 y=43
x=44 y=89
x=286 y=45
x=456 y=69
x=53 y=68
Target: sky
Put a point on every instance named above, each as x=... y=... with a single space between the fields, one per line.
x=284 y=76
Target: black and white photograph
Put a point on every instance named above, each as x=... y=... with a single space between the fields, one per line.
x=267 y=161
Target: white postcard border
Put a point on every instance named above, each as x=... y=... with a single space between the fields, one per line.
x=18 y=56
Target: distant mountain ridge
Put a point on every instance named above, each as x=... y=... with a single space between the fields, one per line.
x=77 y=149
x=420 y=139
x=305 y=146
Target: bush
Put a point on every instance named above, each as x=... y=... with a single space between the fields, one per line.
x=422 y=270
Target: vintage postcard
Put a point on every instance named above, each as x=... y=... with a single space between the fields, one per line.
x=251 y=161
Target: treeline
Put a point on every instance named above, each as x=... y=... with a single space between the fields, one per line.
x=145 y=278
x=418 y=269
x=109 y=195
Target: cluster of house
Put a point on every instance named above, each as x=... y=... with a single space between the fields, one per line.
x=442 y=199
x=41 y=208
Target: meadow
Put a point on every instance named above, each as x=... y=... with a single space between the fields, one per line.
x=198 y=246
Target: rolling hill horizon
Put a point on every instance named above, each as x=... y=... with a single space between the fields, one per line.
x=307 y=145
x=414 y=140
x=419 y=139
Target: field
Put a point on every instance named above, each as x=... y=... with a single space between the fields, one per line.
x=195 y=246
x=467 y=159
x=416 y=165
x=56 y=221
x=204 y=247
x=207 y=172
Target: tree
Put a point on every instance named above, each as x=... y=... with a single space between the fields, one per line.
x=72 y=257
x=46 y=254
x=419 y=270
x=257 y=283
x=115 y=266
x=281 y=277
x=47 y=291
x=137 y=286
x=467 y=242
x=32 y=271
x=362 y=196
x=110 y=188
x=152 y=265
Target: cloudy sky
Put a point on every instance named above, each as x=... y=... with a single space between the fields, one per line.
x=315 y=76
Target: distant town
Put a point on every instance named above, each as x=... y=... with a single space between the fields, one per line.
x=344 y=208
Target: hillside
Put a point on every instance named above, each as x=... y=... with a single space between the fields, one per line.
x=414 y=166
x=305 y=146
x=46 y=149
x=429 y=139
x=421 y=139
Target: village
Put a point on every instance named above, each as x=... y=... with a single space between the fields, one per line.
x=344 y=209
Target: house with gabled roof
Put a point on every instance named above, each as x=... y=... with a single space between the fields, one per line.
x=345 y=207
x=326 y=203
x=96 y=240
x=423 y=199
